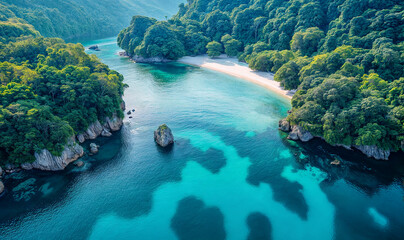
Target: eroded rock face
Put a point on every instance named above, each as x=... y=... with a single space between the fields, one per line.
x=163 y=136
x=46 y=161
x=96 y=129
x=284 y=125
x=374 y=151
x=1 y=187
x=299 y=132
x=114 y=123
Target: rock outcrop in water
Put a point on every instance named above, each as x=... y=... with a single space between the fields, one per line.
x=44 y=160
x=299 y=133
x=1 y=187
x=163 y=136
x=94 y=48
x=94 y=148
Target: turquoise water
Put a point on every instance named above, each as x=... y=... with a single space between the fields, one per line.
x=230 y=174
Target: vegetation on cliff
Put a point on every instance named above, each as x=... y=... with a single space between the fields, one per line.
x=345 y=57
x=49 y=90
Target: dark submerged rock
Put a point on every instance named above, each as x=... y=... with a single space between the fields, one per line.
x=94 y=48
x=163 y=136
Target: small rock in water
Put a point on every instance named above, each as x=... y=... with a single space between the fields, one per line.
x=163 y=136
x=133 y=110
x=94 y=148
x=79 y=163
x=94 y=47
x=130 y=117
x=1 y=187
x=336 y=162
x=129 y=113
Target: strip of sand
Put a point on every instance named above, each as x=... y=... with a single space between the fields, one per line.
x=233 y=67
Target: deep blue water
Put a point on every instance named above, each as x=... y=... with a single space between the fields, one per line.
x=230 y=174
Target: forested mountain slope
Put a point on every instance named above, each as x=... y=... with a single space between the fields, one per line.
x=345 y=57
x=71 y=19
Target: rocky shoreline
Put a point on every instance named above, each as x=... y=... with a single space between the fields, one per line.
x=298 y=133
x=46 y=161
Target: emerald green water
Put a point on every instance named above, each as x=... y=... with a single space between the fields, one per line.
x=230 y=174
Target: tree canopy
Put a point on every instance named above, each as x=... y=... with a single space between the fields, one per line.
x=344 y=57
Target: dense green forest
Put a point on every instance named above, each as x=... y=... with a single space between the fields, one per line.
x=72 y=19
x=344 y=57
x=49 y=90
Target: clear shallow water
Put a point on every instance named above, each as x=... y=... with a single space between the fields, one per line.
x=230 y=175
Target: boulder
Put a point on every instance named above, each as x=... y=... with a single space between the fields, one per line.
x=44 y=160
x=79 y=163
x=1 y=187
x=299 y=132
x=374 y=151
x=27 y=166
x=106 y=133
x=129 y=113
x=94 y=148
x=284 y=125
x=163 y=136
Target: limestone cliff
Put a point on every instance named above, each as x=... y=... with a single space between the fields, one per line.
x=44 y=160
x=299 y=133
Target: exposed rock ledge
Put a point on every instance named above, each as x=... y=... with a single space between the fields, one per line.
x=96 y=129
x=48 y=162
x=299 y=133
x=44 y=160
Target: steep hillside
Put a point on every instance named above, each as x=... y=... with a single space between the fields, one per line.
x=72 y=19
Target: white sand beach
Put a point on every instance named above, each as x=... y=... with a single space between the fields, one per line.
x=235 y=68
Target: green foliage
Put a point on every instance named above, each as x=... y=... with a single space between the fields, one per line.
x=50 y=90
x=232 y=47
x=344 y=57
x=307 y=42
x=82 y=18
x=214 y=49
x=161 y=40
